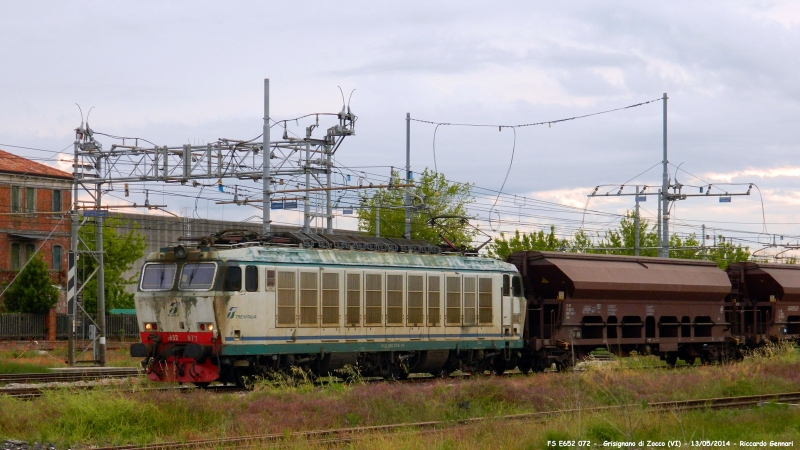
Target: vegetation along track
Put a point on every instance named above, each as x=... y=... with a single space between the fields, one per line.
x=343 y=435
x=68 y=376
x=33 y=392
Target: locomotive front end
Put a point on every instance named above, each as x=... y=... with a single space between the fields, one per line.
x=175 y=311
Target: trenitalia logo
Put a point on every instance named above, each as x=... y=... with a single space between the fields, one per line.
x=232 y=313
x=173 y=309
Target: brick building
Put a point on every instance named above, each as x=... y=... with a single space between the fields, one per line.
x=34 y=199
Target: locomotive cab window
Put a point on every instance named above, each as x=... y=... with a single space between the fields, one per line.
x=251 y=279
x=157 y=277
x=197 y=276
x=516 y=286
x=233 y=279
x=506 y=286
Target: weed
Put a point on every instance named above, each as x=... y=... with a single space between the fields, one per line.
x=7 y=367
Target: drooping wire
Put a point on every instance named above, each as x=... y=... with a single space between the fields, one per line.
x=510 y=163
x=546 y=122
x=435 y=168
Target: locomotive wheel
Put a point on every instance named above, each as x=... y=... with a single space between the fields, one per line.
x=499 y=366
x=443 y=373
x=397 y=373
x=243 y=379
x=525 y=367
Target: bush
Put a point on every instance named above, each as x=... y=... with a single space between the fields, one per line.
x=32 y=291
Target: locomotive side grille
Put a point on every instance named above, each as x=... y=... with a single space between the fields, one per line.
x=434 y=301
x=353 y=299
x=485 y=300
x=470 y=305
x=287 y=298
x=330 y=298
x=453 y=311
x=309 y=297
x=373 y=298
x=416 y=284
x=394 y=300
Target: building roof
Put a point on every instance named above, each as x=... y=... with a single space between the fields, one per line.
x=11 y=163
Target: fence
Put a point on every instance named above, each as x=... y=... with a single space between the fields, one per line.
x=18 y=326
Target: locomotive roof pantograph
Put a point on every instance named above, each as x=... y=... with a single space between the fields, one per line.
x=613 y=277
x=342 y=258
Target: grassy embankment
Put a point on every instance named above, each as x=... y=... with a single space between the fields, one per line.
x=115 y=416
x=35 y=360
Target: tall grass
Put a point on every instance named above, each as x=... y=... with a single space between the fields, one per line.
x=280 y=404
x=9 y=367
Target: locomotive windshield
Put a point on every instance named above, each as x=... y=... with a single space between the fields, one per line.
x=198 y=276
x=158 y=277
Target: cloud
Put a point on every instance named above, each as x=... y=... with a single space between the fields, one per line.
x=777 y=172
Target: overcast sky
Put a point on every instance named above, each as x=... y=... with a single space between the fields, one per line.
x=179 y=72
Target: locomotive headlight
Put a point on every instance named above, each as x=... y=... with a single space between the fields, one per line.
x=210 y=327
x=205 y=327
x=150 y=326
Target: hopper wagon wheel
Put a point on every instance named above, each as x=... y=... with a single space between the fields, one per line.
x=203 y=385
x=671 y=359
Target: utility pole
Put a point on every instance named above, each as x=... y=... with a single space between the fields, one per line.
x=377 y=221
x=407 y=201
x=267 y=155
x=704 y=241
x=636 y=225
x=72 y=280
x=101 y=287
x=664 y=197
x=659 y=225
x=307 y=170
x=665 y=190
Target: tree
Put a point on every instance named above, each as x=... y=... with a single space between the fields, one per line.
x=32 y=291
x=120 y=251
x=620 y=241
x=433 y=197
x=501 y=247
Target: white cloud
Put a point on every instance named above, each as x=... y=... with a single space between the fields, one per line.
x=776 y=172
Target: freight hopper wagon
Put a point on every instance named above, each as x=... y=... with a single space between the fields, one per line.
x=764 y=304
x=227 y=312
x=580 y=302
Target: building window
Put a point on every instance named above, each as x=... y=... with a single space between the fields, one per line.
x=57 y=257
x=30 y=200
x=16 y=199
x=30 y=250
x=15 y=256
x=57 y=206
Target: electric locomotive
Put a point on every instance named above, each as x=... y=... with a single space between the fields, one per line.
x=236 y=306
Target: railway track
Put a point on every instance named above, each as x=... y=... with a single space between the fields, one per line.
x=83 y=375
x=344 y=435
x=33 y=392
